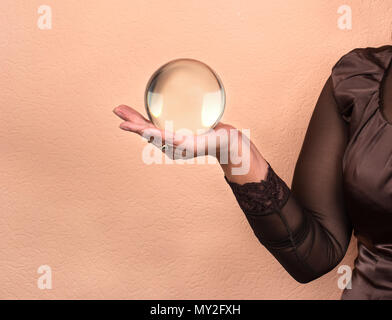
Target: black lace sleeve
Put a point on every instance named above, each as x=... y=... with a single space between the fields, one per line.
x=306 y=227
x=261 y=198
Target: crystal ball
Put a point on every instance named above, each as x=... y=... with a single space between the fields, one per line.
x=186 y=95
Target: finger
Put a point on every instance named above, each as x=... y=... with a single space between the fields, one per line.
x=132 y=127
x=128 y=114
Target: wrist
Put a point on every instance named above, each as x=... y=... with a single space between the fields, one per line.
x=229 y=144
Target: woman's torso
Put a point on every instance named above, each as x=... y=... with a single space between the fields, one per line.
x=361 y=78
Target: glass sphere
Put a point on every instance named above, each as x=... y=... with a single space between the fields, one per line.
x=185 y=94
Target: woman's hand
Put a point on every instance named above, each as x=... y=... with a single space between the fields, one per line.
x=236 y=154
x=177 y=146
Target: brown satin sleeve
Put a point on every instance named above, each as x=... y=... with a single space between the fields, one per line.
x=305 y=228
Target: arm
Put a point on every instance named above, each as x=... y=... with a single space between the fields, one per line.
x=305 y=228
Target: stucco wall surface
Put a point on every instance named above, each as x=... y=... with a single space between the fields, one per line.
x=74 y=192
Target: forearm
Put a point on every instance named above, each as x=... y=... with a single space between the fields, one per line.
x=305 y=227
x=293 y=233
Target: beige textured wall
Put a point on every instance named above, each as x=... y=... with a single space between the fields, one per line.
x=74 y=192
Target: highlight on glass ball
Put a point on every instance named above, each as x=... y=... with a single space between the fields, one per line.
x=185 y=94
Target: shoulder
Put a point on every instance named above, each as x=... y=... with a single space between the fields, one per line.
x=357 y=75
x=361 y=61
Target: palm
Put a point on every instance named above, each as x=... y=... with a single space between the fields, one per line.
x=135 y=122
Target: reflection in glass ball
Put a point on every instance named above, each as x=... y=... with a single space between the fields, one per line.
x=186 y=93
